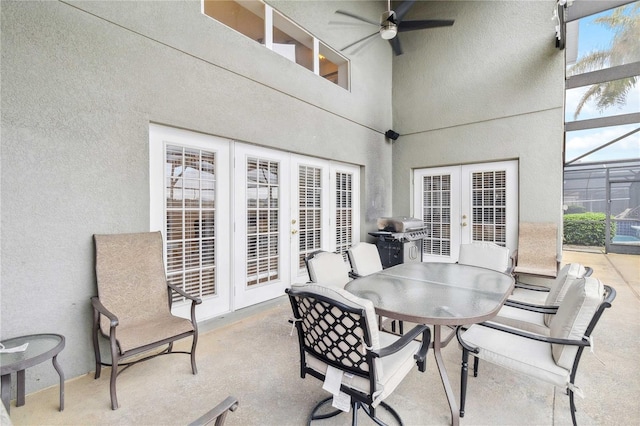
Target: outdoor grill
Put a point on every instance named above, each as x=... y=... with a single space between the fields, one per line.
x=399 y=240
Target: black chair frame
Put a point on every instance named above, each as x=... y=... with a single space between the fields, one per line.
x=364 y=366
x=610 y=295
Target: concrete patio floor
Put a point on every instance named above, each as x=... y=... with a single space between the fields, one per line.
x=251 y=355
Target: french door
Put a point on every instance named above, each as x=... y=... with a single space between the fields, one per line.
x=238 y=220
x=261 y=224
x=467 y=203
x=189 y=193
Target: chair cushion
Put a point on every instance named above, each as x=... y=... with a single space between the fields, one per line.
x=582 y=300
x=557 y=287
x=364 y=258
x=522 y=320
x=329 y=269
x=516 y=353
x=485 y=255
x=560 y=285
x=390 y=371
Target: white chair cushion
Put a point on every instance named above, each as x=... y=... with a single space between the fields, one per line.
x=516 y=353
x=365 y=259
x=560 y=285
x=557 y=287
x=522 y=320
x=390 y=371
x=485 y=255
x=329 y=269
x=574 y=315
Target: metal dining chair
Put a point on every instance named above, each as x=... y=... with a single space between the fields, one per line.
x=338 y=337
x=327 y=268
x=485 y=255
x=553 y=358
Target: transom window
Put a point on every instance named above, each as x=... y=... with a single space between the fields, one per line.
x=260 y=22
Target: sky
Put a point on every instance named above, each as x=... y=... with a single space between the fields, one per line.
x=594 y=36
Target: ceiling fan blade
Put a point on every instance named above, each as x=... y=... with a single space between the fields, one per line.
x=422 y=25
x=358 y=41
x=403 y=8
x=359 y=18
x=395 y=45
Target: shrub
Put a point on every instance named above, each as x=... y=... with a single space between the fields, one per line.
x=585 y=229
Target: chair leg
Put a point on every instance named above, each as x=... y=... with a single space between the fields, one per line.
x=194 y=369
x=463 y=380
x=96 y=345
x=115 y=358
x=572 y=406
x=476 y=364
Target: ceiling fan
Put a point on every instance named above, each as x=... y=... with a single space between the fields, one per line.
x=391 y=24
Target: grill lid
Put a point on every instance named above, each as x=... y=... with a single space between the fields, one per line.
x=399 y=224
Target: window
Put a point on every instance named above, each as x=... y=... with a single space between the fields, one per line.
x=190 y=221
x=602 y=93
x=344 y=212
x=260 y=22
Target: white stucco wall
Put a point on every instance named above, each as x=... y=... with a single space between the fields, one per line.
x=489 y=88
x=80 y=84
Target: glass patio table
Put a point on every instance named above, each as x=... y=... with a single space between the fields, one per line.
x=436 y=294
x=40 y=347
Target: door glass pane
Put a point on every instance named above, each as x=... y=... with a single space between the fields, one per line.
x=310 y=211
x=344 y=212
x=489 y=206
x=436 y=203
x=263 y=204
x=190 y=178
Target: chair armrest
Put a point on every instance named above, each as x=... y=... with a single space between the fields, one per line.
x=420 y=356
x=99 y=307
x=354 y=275
x=182 y=293
x=532 y=287
x=217 y=413
x=543 y=309
x=588 y=271
x=528 y=335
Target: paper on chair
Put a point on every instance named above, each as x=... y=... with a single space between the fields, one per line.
x=21 y=348
x=332 y=380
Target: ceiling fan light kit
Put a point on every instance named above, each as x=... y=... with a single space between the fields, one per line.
x=388 y=27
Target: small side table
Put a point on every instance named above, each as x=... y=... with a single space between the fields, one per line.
x=41 y=348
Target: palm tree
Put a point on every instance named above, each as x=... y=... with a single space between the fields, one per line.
x=625 y=48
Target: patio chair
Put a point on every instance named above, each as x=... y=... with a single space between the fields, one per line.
x=217 y=413
x=537 y=252
x=364 y=259
x=539 y=295
x=485 y=255
x=133 y=306
x=338 y=337
x=553 y=358
x=328 y=268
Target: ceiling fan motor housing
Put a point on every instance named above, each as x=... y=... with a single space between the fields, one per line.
x=388 y=26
